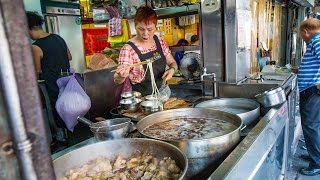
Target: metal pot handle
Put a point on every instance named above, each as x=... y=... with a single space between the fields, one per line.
x=132 y=127
x=243 y=126
x=119 y=110
x=85 y=121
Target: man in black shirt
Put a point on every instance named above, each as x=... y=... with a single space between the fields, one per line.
x=51 y=57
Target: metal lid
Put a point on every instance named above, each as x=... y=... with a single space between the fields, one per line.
x=129 y=101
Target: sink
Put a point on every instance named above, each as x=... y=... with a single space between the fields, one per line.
x=185 y=90
x=185 y=93
x=245 y=90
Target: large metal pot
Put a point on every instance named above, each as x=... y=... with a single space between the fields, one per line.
x=203 y=154
x=248 y=110
x=124 y=147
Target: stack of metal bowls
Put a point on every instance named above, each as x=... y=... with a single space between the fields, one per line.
x=130 y=101
x=150 y=98
x=149 y=107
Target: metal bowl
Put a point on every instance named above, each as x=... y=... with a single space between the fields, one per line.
x=150 y=98
x=273 y=97
x=112 y=133
x=129 y=105
x=110 y=128
x=149 y=107
x=130 y=94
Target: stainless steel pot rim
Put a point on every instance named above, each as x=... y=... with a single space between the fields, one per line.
x=104 y=132
x=195 y=140
x=192 y=140
x=269 y=92
x=251 y=101
x=101 y=127
x=275 y=90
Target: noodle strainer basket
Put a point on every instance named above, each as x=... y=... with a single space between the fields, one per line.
x=164 y=91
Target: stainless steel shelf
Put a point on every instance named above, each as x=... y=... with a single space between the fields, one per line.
x=184 y=48
x=176 y=11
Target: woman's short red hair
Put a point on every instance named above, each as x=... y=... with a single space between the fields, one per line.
x=145 y=14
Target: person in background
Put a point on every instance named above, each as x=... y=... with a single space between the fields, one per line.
x=308 y=83
x=145 y=45
x=179 y=54
x=195 y=41
x=51 y=57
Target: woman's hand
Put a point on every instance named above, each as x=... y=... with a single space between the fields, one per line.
x=122 y=72
x=168 y=73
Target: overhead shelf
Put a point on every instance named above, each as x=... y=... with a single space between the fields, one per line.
x=184 y=48
x=176 y=11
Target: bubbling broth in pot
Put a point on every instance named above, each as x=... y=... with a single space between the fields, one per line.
x=183 y=128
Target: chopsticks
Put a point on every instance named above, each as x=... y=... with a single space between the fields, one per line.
x=137 y=64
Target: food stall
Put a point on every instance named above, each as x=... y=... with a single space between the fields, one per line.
x=264 y=142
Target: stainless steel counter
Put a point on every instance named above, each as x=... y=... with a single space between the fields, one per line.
x=263 y=153
x=266 y=151
x=260 y=154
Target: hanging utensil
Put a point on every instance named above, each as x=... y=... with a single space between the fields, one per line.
x=109 y=129
x=274 y=96
x=164 y=91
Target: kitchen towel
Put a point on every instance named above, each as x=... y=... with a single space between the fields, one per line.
x=115 y=27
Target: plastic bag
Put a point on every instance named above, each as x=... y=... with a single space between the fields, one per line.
x=121 y=88
x=126 y=86
x=72 y=101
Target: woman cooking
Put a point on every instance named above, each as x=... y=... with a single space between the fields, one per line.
x=144 y=46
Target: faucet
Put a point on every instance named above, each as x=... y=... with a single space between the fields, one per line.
x=261 y=78
x=258 y=78
x=242 y=80
x=214 y=84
